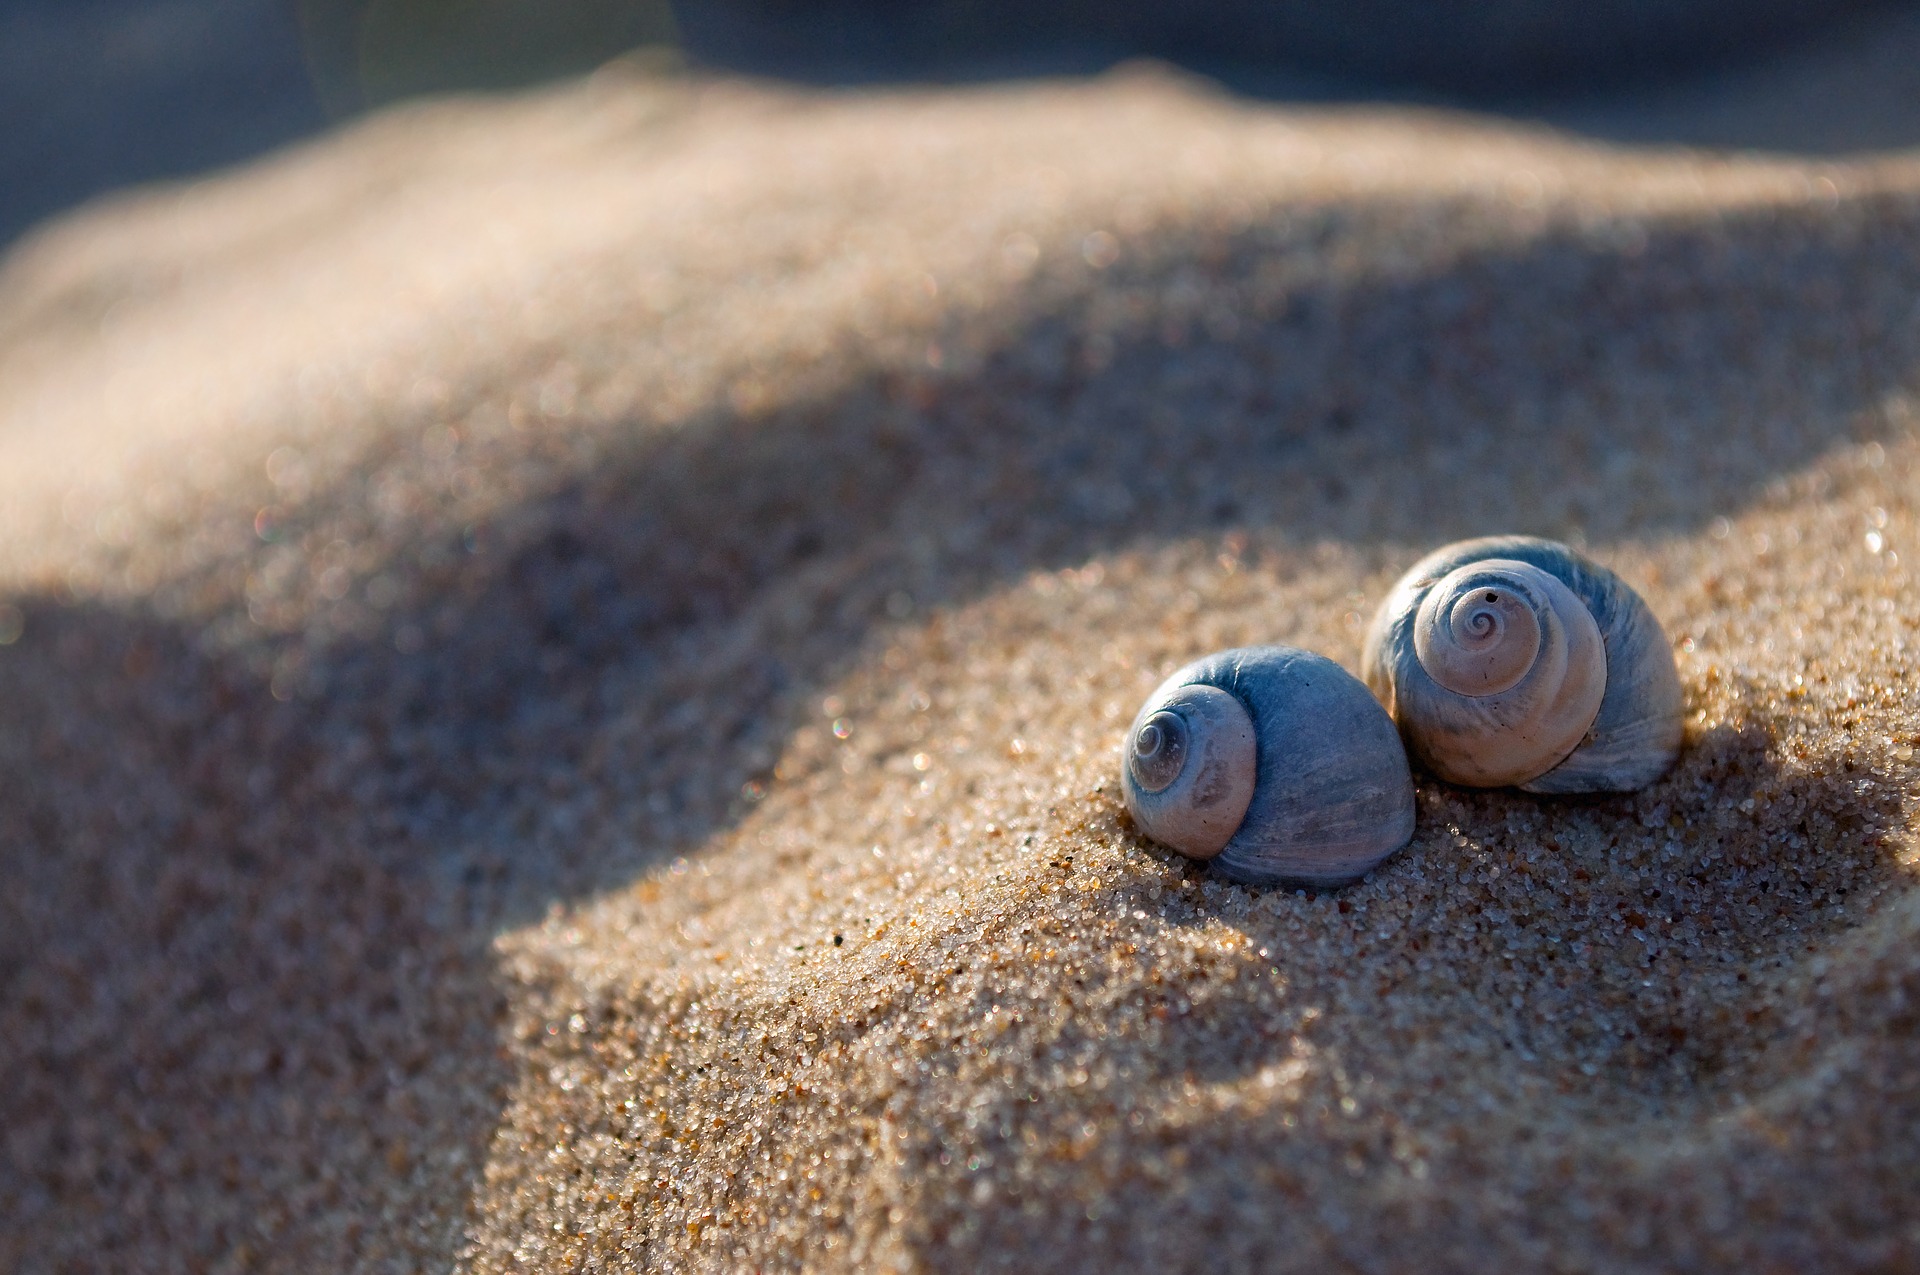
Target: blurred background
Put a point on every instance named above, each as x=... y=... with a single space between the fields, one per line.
x=99 y=94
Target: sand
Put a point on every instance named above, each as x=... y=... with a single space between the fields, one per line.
x=564 y=659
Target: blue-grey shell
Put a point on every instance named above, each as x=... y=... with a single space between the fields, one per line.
x=1637 y=734
x=1334 y=792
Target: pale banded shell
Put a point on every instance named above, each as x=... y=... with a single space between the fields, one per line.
x=1513 y=660
x=1273 y=763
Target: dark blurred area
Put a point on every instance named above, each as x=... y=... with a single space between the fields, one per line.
x=99 y=94
x=96 y=94
x=1479 y=49
x=366 y=53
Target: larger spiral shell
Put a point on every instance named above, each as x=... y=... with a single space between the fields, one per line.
x=1273 y=763
x=1513 y=660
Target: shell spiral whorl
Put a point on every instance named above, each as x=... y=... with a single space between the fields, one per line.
x=1484 y=642
x=1191 y=755
x=1512 y=660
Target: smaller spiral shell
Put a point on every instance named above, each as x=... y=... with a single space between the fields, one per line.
x=1512 y=660
x=1275 y=764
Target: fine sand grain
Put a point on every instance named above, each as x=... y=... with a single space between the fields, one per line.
x=565 y=657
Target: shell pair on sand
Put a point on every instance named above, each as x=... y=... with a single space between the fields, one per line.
x=1503 y=661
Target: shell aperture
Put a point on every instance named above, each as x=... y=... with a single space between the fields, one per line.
x=1513 y=660
x=1287 y=770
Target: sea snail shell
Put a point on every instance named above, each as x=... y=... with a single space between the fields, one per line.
x=1273 y=763
x=1512 y=660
